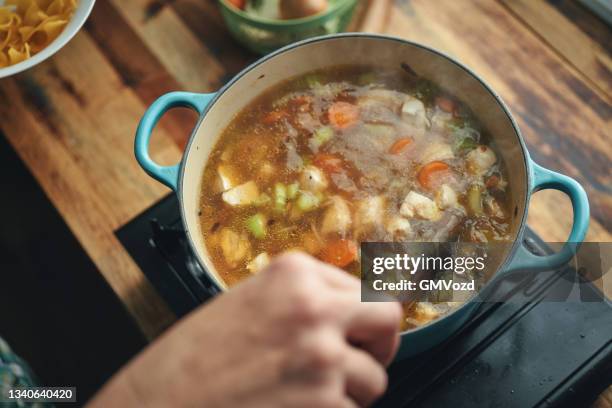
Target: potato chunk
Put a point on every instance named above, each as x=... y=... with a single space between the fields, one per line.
x=244 y=194
x=337 y=217
x=228 y=177
x=259 y=262
x=369 y=214
x=416 y=204
x=234 y=247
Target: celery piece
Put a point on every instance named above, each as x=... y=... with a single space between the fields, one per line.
x=292 y=190
x=307 y=201
x=474 y=200
x=467 y=143
x=280 y=196
x=256 y=225
x=313 y=80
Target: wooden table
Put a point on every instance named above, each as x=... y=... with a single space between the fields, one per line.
x=72 y=118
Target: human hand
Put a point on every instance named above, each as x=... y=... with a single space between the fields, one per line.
x=295 y=335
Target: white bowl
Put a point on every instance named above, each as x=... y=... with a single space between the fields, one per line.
x=74 y=25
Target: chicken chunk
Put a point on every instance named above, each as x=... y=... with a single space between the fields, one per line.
x=481 y=159
x=413 y=112
x=413 y=107
x=386 y=97
x=417 y=205
x=492 y=207
x=425 y=312
x=259 y=262
x=437 y=151
x=235 y=247
x=398 y=227
x=244 y=194
x=446 y=197
x=337 y=217
x=376 y=112
x=313 y=179
x=440 y=120
x=368 y=215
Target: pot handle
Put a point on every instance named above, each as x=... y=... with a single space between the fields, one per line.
x=524 y=259
x=167 y=175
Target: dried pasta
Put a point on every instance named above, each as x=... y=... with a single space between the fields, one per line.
x=28 y=26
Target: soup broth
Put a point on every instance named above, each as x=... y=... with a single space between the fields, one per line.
x=340 y=156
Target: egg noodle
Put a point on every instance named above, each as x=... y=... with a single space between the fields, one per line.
x=28 y=26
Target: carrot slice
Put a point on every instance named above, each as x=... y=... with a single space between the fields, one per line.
x=340 y=252
x=446 y=104
x=432 y=173
x=329 y=163
x=400 y=145
x=343 y=114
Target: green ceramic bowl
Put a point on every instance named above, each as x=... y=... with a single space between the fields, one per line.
x=263 y=35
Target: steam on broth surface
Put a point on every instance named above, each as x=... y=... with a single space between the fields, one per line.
x=339 y=156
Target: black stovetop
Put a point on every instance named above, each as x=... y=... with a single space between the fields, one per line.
x=525 y=352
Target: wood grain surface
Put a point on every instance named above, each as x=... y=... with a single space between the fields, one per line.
x=72 y=118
